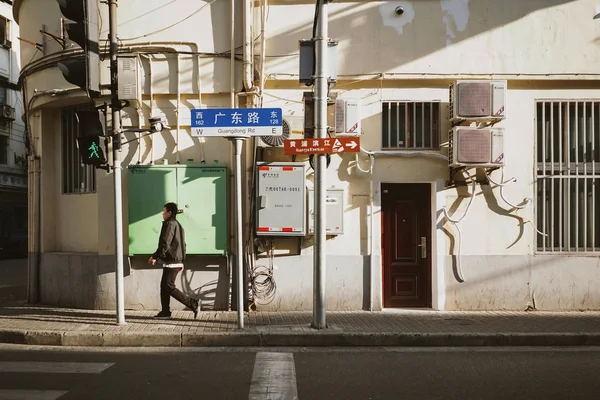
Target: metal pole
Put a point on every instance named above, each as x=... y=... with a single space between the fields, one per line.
x=238 y=144
x=321 y=92
x=116 y=144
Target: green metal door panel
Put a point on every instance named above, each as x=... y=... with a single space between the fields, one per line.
x=150 y=187
x=202 y=195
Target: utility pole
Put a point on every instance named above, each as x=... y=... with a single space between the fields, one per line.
x=116 y=145
x=321 y=94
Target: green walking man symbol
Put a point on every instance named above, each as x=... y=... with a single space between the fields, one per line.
x=94 y=150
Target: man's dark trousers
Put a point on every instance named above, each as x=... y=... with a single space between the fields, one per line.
x=168 y=288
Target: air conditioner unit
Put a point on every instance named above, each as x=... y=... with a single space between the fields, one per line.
x=347 y=117
x=473 y=147
x=7 y=112
x=477 y=100
x=293 y=128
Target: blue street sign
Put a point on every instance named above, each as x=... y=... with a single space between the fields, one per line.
x=224 y=122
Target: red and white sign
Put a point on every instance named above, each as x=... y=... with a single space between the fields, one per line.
x=321 y=146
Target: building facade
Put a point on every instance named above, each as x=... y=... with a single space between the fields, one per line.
x=475 y=187
x=13 y=161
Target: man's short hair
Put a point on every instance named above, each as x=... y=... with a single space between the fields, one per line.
x=172 y=208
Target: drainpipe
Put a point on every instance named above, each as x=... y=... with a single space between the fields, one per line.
x=263 y=47
x=177 y=159
x=34 y=259
x=247 y=75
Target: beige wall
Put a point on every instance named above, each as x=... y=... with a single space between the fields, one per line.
x=545 y=48
x=439 y=37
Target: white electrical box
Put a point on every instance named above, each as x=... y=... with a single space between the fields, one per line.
x=281 y=199
x=347 y=117
x=130 y=82
x=334 y=219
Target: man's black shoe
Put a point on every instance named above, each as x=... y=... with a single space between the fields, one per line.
x=163 y=315
x=195 y=307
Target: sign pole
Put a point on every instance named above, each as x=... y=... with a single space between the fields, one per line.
x=237 y=124
x=116 y=144
x=321 y=93
x=238 y=145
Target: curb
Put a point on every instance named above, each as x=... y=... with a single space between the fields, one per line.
x=293 y=339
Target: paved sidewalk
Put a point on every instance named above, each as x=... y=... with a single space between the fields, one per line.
x=39 y=325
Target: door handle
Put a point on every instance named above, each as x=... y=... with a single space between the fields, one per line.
x=423 y=247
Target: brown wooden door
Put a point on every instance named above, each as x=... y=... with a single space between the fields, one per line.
x=406 y=244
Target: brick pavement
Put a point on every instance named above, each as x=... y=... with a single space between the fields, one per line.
x=60 y=326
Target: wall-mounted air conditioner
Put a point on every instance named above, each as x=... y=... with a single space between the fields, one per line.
x=293 y=128
x=473 y=147
x=7 y=112
x=347 y=117
x=477 y=100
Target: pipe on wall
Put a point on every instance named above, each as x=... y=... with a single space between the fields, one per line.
x=177 y=159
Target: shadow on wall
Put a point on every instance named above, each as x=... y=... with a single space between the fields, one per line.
x=204 y=278
x=424 y=28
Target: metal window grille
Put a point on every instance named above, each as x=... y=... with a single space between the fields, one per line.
x=410 y=125
x=567 y=181
x=76 y=177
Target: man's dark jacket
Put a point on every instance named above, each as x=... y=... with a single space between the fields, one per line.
x=171 y=243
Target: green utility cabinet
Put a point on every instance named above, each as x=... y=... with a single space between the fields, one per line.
x=201 y=195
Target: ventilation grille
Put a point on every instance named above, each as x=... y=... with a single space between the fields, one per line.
x=451 y=98
x=474 y=99
x=277 y=141
x=474 y=146
x=451 y=146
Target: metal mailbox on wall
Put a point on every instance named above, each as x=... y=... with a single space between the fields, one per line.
x=281 y=199
x=201 y=195
x=334 y=203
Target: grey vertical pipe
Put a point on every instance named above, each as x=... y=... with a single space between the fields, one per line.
x=35 y=237
x=321 y=89
x=116 y=126
x=239 y=267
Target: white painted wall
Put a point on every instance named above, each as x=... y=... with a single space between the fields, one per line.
x=437 y=37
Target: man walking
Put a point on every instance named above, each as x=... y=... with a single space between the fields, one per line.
x=171 y=253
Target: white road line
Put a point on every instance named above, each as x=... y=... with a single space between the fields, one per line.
x=274 y=377
x=30 y=394
x=54 y=367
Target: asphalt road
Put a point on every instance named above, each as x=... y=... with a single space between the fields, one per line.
x=36 y=373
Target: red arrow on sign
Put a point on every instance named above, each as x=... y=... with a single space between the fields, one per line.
x=321 y=146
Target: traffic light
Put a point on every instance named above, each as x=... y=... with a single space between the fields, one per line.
x=91 y=138
x=91 y=150
x=81 y=27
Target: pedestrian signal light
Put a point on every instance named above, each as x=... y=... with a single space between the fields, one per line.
x=91 y=150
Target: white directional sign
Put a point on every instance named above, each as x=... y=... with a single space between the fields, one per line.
x=231 y=122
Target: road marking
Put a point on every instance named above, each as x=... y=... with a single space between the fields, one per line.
x=54 y=367
x=30 y=394
x=274 y=377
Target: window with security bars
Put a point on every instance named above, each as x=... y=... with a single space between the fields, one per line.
x=567 y=181
x=76 y=177
x=410 y=125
